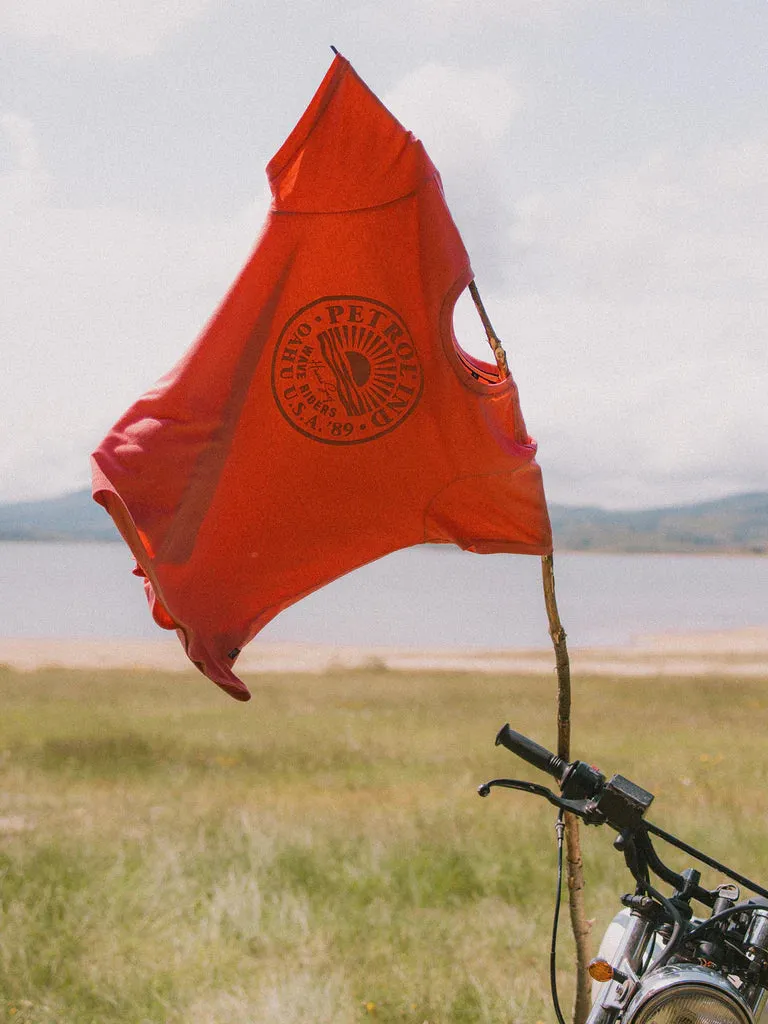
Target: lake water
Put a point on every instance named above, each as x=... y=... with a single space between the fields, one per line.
x=420 y=597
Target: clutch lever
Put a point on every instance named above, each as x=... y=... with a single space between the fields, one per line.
x=584 y=809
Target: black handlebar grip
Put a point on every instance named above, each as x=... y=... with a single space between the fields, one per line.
x=531 y=752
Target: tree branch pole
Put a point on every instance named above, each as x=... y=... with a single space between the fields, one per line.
x=579 y=924
x=493 y=340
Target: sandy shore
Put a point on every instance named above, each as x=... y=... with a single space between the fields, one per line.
x=732 y=652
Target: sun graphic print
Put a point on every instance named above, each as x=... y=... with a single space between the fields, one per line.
x=345 y=370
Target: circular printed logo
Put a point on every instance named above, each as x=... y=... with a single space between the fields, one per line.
x=345 y=370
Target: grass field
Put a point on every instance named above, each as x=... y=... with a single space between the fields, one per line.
x=321 y=855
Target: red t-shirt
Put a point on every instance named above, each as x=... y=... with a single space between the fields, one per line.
x=326 y=415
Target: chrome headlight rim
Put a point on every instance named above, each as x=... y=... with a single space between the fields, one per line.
x=689 y=979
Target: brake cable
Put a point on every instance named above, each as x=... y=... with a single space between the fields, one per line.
x=560 y=830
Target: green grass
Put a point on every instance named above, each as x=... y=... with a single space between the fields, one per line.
x=320 y=855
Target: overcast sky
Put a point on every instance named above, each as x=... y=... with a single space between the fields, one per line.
x=605 y=160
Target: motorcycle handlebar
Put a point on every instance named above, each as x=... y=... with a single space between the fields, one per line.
x=618 y=802
x=532 y=752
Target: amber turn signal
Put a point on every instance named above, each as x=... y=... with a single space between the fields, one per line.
x=600 y=970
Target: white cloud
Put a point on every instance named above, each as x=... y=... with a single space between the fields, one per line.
x=678 y=223
x=26 y=179
x=634 y=404
x=641 y=296
x=120 y=28
x=464 y=117
x=97 y=303
x=527 y=10
x=532 y=12
x=455 y=111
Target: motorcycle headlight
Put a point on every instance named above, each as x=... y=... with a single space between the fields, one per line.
x=686 y=994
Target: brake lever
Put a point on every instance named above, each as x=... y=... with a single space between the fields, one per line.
x=584 y=809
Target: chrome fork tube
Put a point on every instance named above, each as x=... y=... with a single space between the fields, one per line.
x=757 y=998
x=627 y=959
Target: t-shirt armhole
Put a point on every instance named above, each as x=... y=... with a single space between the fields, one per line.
x=475 y=373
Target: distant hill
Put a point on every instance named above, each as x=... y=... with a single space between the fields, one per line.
x=73 y=516
x=735 y=524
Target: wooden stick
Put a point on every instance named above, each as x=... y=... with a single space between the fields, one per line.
x=493 y=340
x=580 y=926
